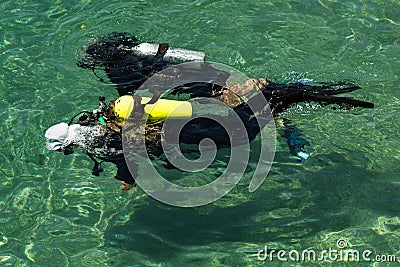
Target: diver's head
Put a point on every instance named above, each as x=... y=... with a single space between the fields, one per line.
x=58 y=138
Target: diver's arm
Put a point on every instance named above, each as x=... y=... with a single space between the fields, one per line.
x=97 y=169
x=156 y=96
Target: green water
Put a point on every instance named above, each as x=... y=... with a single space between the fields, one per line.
x=53 y=212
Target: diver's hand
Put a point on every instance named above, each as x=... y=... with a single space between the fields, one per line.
x=126 y=187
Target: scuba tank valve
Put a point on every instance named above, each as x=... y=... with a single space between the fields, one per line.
x=101 y=109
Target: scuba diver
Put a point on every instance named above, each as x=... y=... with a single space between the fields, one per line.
x=128 y=64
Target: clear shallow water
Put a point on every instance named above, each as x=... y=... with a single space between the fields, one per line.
x=54 y=213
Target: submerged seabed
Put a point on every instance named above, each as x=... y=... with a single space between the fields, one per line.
x=54 y=213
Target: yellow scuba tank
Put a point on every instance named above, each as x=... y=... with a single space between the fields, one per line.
x=160 y=110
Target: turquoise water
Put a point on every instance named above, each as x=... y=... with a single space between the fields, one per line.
x=53 y=212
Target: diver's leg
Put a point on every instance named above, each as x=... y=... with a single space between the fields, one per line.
x=296 y=144
x=124 y=174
